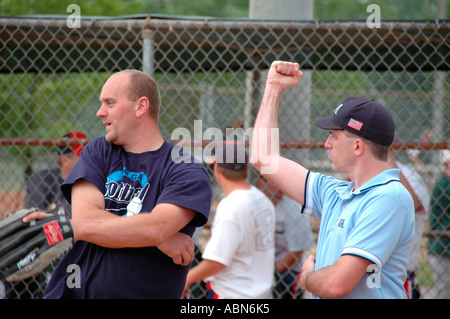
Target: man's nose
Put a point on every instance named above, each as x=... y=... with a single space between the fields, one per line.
x=327 y=144
x=101 y=112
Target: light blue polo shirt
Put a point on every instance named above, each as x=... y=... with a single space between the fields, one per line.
x=376 y=222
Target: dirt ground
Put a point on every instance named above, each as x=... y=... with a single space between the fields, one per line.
x=10 y=201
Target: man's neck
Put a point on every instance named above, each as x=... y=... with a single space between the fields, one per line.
x=231 y=186
x=363 y=173
x=148 y=139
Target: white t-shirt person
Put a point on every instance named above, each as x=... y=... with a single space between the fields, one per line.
x=242 y=239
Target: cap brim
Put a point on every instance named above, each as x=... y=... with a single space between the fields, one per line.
x=327 y=124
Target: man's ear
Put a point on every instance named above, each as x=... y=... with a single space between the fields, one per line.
x=358 y=146
x=143 y=105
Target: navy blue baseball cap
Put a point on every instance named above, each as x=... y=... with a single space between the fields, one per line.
x=232 y=156
x=363 y=117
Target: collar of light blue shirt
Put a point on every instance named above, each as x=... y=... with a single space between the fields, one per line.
x=345 y=191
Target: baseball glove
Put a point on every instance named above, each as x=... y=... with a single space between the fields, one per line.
x=26 y=249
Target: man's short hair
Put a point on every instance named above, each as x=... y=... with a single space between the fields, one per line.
x=379 y=151
x=141 y=84
x=233 y=174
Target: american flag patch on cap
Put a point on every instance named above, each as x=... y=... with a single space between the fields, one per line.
x=354 y=124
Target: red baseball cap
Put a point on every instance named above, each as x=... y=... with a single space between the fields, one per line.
x=76 y=149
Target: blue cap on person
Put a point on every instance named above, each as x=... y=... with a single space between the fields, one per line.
x=363 y=117
x=232 y=156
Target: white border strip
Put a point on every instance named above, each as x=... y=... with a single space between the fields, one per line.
x=363 y=253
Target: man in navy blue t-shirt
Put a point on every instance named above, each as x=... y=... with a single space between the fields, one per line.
x=144 y=253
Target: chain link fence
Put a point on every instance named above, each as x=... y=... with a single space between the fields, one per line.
x=211 y=73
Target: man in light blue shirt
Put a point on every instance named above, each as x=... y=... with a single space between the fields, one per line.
x=372 y=222
x=367 y=223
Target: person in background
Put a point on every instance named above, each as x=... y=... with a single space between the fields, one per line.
x=439 y=242
x=43 y=189
x=238 y=261
x=43 y=192
x=419 y=192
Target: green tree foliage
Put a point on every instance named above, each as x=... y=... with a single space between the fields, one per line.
x=212 y=8
x=390 y=9
x=323 y=9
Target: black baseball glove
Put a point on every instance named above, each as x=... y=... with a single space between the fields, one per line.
x=26 y=249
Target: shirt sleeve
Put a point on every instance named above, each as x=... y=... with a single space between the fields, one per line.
x=89 y=167
x=189 y=187
x=318 y=187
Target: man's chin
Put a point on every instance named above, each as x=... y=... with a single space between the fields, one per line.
x=109 y=138
x=335 y=168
